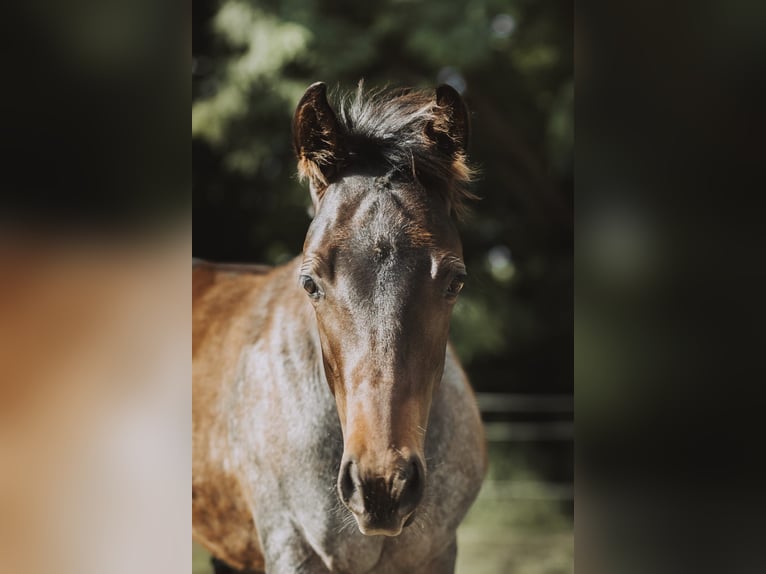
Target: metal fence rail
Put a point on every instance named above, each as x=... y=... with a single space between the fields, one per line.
x=505 y=431
x=505 y=403
x=528 y=432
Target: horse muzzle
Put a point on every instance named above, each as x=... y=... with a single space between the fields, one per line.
x=382 y=503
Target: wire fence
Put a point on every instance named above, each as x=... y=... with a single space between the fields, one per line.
x=522 y=520
x=509 y=406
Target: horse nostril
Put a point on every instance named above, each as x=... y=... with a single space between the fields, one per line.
x=412 y=492
x=349 y=478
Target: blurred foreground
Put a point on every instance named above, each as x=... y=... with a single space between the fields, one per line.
x=94 y=401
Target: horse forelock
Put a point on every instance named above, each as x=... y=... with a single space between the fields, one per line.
x=394 y=127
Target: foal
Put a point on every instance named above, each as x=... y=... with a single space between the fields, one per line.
x=334 y=429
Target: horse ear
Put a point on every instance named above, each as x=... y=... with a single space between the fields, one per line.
x=316 y=137
x=450 y=127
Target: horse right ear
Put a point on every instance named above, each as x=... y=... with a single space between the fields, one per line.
x=316 y=139
x=451 y=126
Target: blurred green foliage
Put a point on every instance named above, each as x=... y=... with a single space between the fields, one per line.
x=512 y=59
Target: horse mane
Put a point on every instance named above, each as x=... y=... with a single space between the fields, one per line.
x=403 y=129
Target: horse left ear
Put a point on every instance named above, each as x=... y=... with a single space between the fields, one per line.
x=450 y=127
x=316 y=138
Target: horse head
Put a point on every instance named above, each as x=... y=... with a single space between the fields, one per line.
x=383 y=268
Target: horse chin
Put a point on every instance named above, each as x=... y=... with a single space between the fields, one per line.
x=370 y=528
x=369 y=531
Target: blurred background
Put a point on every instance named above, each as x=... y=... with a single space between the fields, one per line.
x=512 y=60
x=94 y=250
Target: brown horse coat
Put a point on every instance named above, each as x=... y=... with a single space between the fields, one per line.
x=334 y=429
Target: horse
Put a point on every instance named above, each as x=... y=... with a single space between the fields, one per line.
x=334 y=429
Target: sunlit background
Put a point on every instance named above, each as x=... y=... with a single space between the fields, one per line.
x=513 y=63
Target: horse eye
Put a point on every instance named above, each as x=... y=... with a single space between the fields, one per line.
x=456 y=285
x=310 y=286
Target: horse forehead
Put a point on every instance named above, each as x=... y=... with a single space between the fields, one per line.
x=380 y=218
